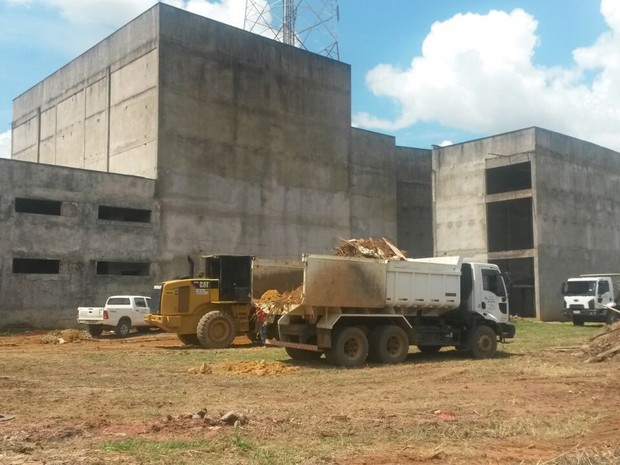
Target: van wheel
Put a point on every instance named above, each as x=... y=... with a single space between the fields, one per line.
x=349 y=347
x=95 y=330
x=389 y=344
x=123 y=328
x=484 y=342
x=304 y=355
x=189 y=339
x=216 y=330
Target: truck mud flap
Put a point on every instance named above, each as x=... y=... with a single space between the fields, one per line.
x=292 y=345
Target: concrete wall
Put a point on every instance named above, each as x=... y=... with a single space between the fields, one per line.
x=373 y=185
x=577 y=212
x=414 y=201
x=76 y=237
x=459 y=188
x=99 y=111
x=254 y=140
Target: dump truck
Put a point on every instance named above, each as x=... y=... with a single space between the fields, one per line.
x=359 y=309
x=214 y=306
x=592 y=298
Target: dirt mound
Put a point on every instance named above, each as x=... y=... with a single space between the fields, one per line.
x=260 y=368
x=369 y=248
x=604 y=346
x=64 y=336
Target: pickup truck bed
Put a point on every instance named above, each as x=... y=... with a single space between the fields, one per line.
x=120 y=314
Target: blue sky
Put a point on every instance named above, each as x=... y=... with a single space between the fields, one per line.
x=425 y=72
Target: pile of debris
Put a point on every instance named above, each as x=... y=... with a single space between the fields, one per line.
x=64 y=336
x=275 y=303
x=604 y=346
x=244 y=367
x=370 y=248
x=202 y=418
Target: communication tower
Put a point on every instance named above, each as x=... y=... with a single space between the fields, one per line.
x=307 y=24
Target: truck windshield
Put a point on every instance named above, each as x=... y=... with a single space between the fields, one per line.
x=155 y=299
x=580 y=288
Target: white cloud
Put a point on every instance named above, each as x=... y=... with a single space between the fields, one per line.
x=5 y=144
x=115 y=13
x=477 y=73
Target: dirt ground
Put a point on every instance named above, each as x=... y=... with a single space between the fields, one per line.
x=66 y=398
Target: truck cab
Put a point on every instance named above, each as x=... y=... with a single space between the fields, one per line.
x=587 y=298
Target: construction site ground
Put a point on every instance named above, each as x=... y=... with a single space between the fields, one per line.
x=66 y=398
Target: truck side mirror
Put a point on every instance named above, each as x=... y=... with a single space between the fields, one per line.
x=563 y=291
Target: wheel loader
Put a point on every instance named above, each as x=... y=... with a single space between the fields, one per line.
x=214 y=307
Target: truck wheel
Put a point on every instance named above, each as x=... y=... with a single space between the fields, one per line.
x=216 y=330
x=189 y=339
x=612 y=317
x=484 y=342
x=429 y=349
x=349 y=347
x=95 y=330
x=388 y=344
x=123 y=328
x=304 y=355
x=577 y=321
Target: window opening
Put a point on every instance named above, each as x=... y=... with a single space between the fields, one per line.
x=124 y=214
x=36 y=266
x=509 y=178
x=38 y=206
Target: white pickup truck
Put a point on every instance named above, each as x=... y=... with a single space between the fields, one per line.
x=120 y=313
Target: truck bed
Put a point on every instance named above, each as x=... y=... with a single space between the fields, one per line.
x=427 y=285
x=90 y=314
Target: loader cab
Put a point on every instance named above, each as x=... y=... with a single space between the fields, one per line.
x=234 y=274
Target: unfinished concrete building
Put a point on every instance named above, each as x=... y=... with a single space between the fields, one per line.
x=539 y=204
x=195 y=137
x=179 y=136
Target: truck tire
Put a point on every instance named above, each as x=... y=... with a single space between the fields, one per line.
x=349 y=347
x=95 y=330
x=304 y=355
x=388 y=344
x=612 y=317
x=216 y=330
x=123 y=328
x=578 y=321
x=189 y=339
x=484 y=342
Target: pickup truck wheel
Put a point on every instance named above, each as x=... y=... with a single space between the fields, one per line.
x=577 y=321
x=484 y=342
x=216 y=330
x=95 y=330
x=388 y=344
x=189 y=339
x=304 y=355
x=123 y=328
x=349 y=347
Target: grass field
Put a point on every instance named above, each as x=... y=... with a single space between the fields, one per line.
x=140 y=400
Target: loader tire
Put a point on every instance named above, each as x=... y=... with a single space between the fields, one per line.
x=123 y=328
x=484 y=342
x=303 y=355
x=388 y=344
x=189 y=339
x=216 y=330
x=349 y=347
x=95 y=330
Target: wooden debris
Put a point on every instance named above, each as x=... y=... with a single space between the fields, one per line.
x=369 y=248
x=603 y=346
